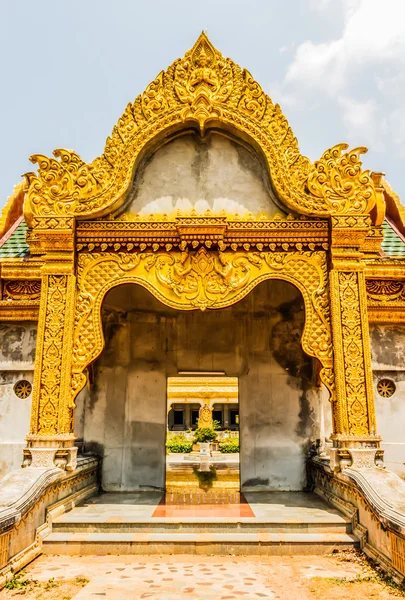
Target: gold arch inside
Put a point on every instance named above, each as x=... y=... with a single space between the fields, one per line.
x=200 y=280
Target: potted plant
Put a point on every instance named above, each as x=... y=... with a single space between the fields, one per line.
x=204 y=436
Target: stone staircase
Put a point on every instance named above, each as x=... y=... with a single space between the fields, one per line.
x=319 y=531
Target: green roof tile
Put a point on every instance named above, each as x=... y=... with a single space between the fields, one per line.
x=16 y=246
x=392 y=243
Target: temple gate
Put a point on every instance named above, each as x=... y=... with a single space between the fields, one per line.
x=88 y=242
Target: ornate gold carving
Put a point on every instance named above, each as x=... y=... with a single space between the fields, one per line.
x=203 y=88
x=22 y=290
x=19 y=310
x=355 y=414
x=203 y=279
x=204 y=261
x=207 y=389
x=386 y=290
x=225 y=231
x=339 y=180
x=49 y=411
x=200 y=278
x=386 y=299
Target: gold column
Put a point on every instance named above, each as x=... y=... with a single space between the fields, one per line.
x=356 y=443
x=50 y=441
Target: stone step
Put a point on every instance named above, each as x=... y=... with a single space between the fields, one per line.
x=197 y=543
x=196 y=525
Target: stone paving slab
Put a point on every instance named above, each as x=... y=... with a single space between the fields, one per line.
x=191 y=578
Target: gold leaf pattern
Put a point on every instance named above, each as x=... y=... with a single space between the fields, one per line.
x=202 y=87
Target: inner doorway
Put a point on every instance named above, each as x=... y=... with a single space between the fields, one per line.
x=202 y=440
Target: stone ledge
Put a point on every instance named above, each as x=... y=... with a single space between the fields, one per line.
x=29 y=497
x=20 y=490
x=385 y=493
x=377 y=498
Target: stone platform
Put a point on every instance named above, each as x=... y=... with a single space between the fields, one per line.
x=152 y=523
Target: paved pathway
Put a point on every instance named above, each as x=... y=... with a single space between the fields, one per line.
x=191 y=578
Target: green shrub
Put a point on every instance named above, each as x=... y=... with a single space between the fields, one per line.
x=178 y=443
x=229 y=445
x=203 y=435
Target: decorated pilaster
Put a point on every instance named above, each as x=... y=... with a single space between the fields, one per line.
x=50 y=441
x=356 y=442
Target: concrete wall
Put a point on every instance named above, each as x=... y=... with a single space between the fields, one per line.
x=215 y=173
x=388 y=355
x=17 y=355
x=257 y=340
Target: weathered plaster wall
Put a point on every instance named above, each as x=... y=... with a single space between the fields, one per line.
x=388 y=355
x=257 y=340
x=17 y=354
x=212 y=173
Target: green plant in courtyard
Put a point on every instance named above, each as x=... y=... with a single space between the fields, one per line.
x=202 y=435
x=178 y=443
x=229 y=445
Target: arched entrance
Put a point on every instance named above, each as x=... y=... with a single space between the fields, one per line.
x=257 y=340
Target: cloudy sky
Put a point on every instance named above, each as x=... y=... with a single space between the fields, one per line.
x=69 y=67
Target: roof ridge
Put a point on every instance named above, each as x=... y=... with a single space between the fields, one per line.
x=11 y=230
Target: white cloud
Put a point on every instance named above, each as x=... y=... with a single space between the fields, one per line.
x=362 y=119
x=362 y=72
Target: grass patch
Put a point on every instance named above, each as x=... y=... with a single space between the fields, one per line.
x=62 y=589
x=372 y=575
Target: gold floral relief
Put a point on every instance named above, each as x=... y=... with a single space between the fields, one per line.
x=200 y=280
x=51 y=385
x=202 y=89
x=352 y=355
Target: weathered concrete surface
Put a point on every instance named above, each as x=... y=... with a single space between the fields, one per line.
x=214 y=172
x=17 y=354
x=17 y=345
x=388 y=354
x=257 y=340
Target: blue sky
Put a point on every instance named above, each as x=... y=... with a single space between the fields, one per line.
x=69 y=67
